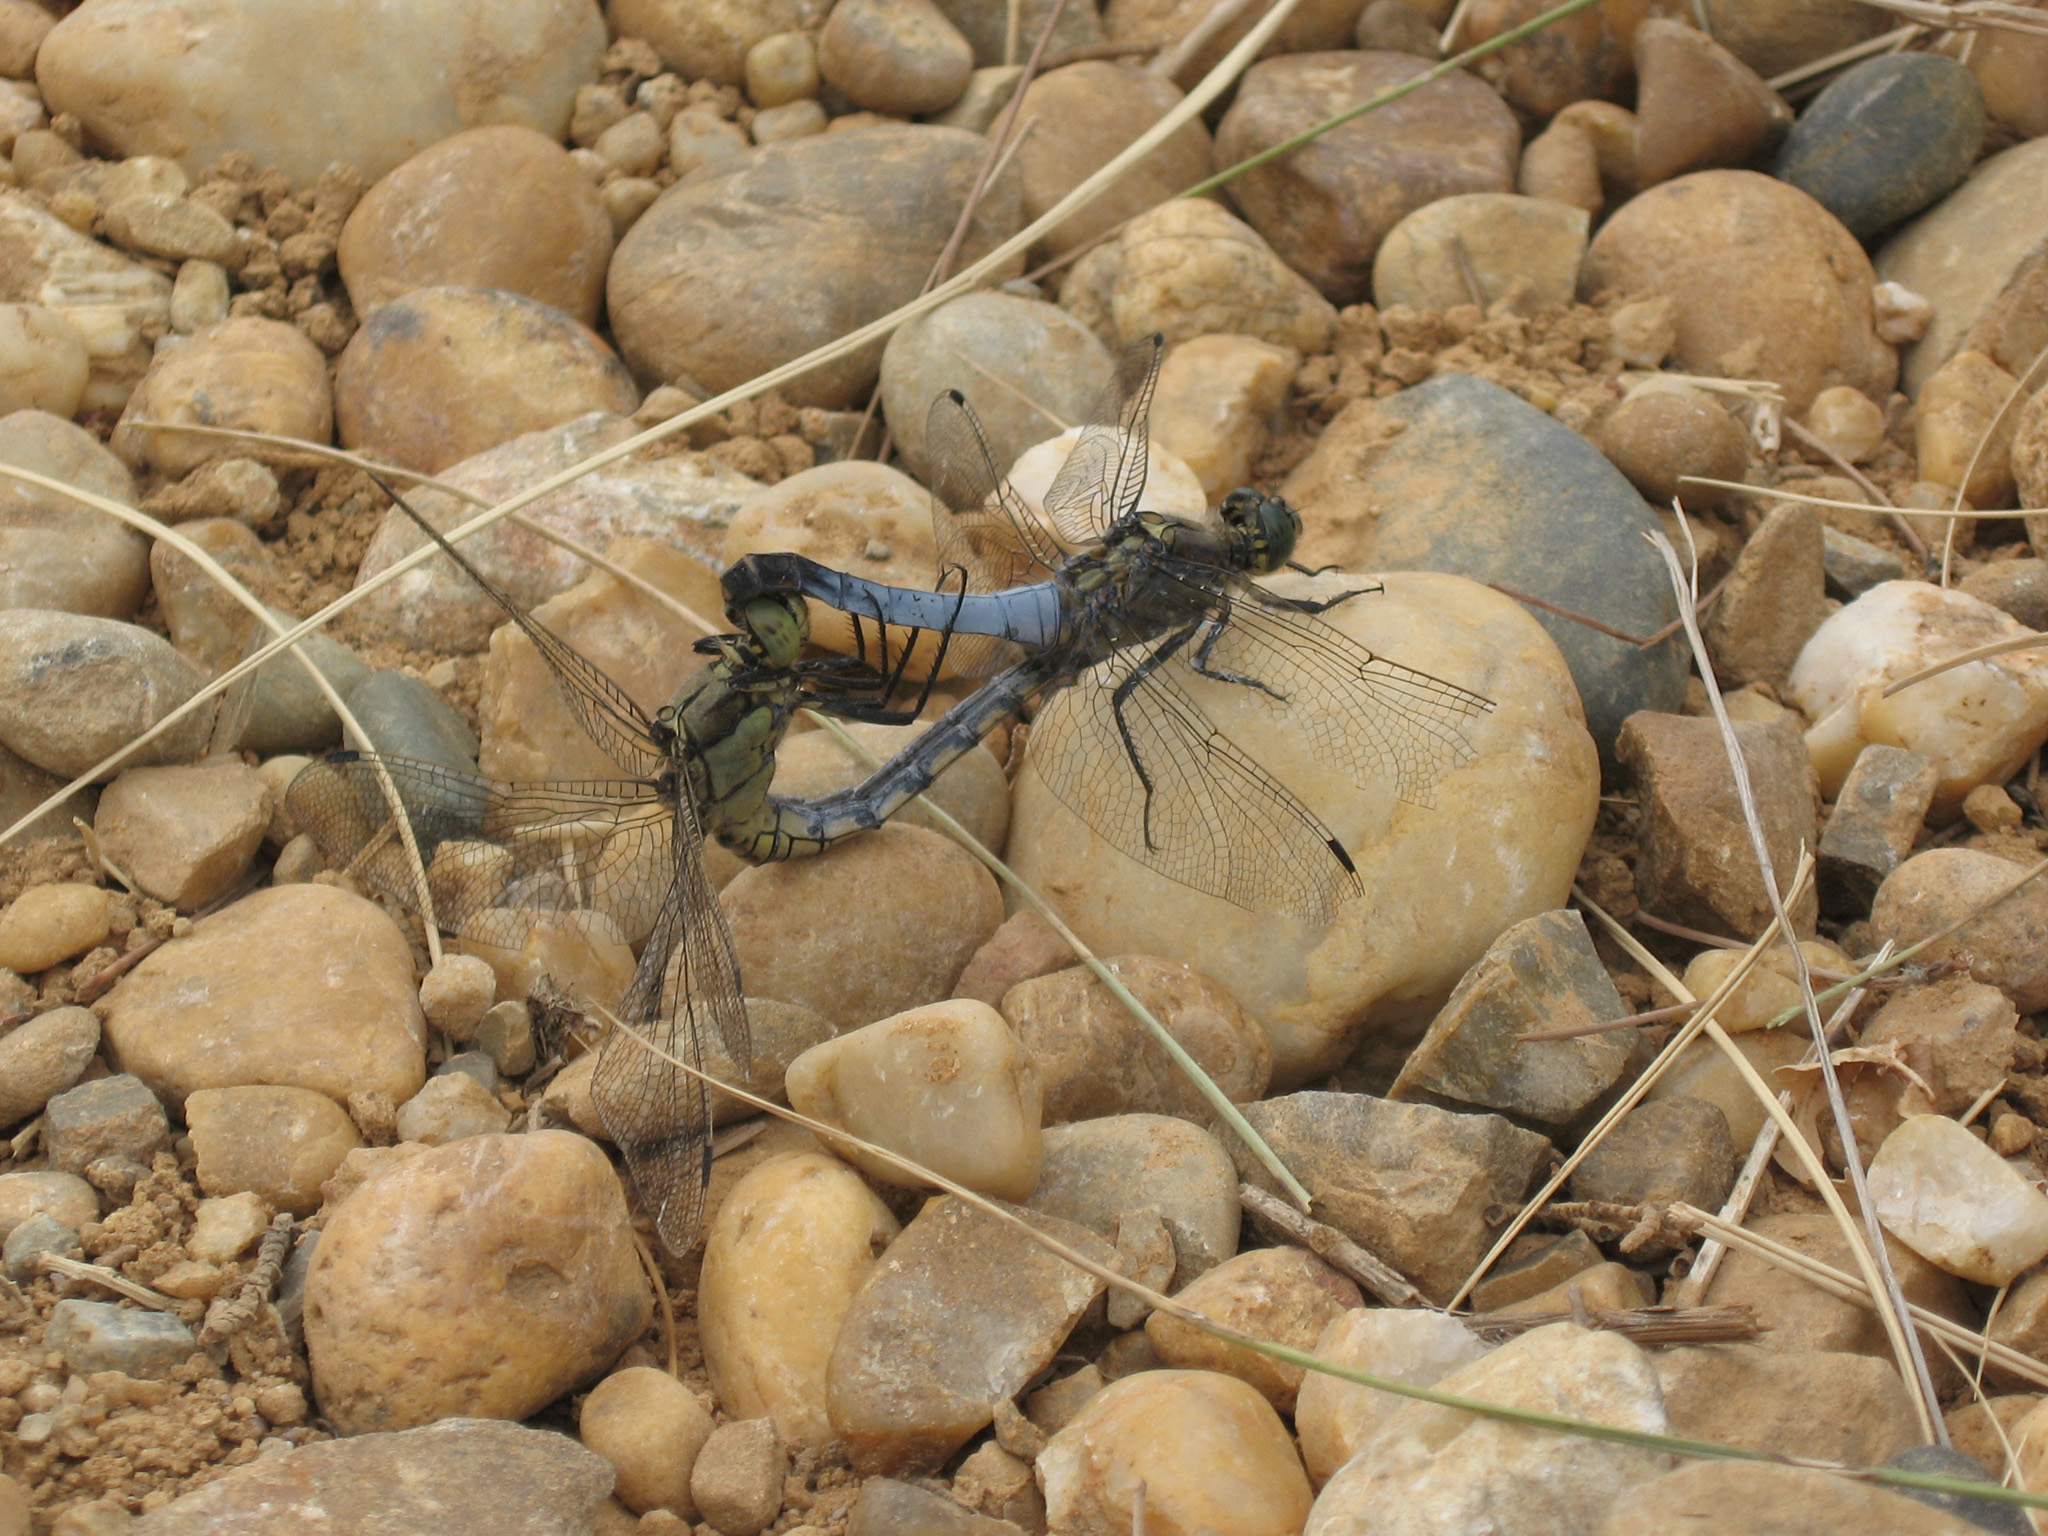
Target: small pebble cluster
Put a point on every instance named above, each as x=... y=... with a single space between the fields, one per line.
x=305 y=1228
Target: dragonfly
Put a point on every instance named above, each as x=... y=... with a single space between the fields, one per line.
x=1106 y=613
x=619 y=861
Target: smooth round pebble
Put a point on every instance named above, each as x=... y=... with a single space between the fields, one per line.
x=478 y=1280
x=75 y=689
x=896 y=56
x=48 y=924
x=1497 y=241
x=495 y=207
x=738 y=1479
x=633 y=146
x=199 y=296
x=249 y=373
x=44 y=1057
x=443 y=373
x=709 y=39
x=44 y=1192
x=1334 y=1418
x=1848 y=421
x=946 y=1085
x=449 y=1107
x=172 y=228
x=1282 y=1294
x=650 y=1427
x=781 y=68
x=1697 y=104
x=43 y=363
x=1658 y=435
x=456 y=994
x=2006 y=948
x=55 y=553
x=279 y=1144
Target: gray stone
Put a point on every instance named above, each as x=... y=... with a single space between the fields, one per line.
x=505 y=1034
x=55 y=553
x=458 y=1477
x=74 y=690
x=403 y=717
x=1534 y=1273
x=109 y=1117
x=2020 y=587
x=1095 y=1171
x=288 y=712
x=736 y=1481
x=289 y=1300
x=1872 y=828
x=1947 y=1461
x=1410 y=1182
x=1774 y=600
x=1461 y=475
x=1854 y=565
x=1885 y=139
x=27 y=1243
x=43 y=1058
x=889 y=1508
x=100 y=1336
x=476 y=1064
x=1662 y=1152
x=1542 y=973
x=985 y=24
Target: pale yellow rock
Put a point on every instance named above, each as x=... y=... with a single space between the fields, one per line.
x=255 y=374
x=155 y=224
x=1702 y=1071
x=1336 y=1419
x=946 y=1085
x=1848 y=421
x=108 y=298
x=48 y=924
x=1501 y=843
x=43 y=361
x=1171 y=485
x=1978 y=723
x=450 y=1107
x=189 y=1281
x=1956 y=1203
x=299 y=986
x=456 y=993
x=227 y=1226
x=479 y=1280
x=1964 y=429
x=1436 y=255
x=782 y=67
x=1211 y=1454
x=1771 y=986
x=1284 y=1295
x=650 y=1427
x=184 y=835
x=280 y=1144
x=1217 y=403
x=65 y=1196
x=791 y=1245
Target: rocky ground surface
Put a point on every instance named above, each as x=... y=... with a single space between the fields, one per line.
x=302 y=1233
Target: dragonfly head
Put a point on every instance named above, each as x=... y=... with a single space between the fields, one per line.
x=1262 y=529
x=776 y=625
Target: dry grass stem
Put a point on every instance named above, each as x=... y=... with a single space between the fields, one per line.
x=1898 y=37
x=109 y=1279
x=1333 y=1247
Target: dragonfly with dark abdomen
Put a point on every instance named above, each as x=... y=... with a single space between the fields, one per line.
x=619 y=862
x=1107 y=613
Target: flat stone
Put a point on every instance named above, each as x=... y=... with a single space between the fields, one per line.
x=1540 y=974
x=65 y=1196
x=55 y=553
x=249 y=373
x=148 y=79
x=404 y=717
x=75 y=689
x=1876 y=819
x=1697 y=104
x=48 y=924
x=1284 y=1295
x=1722 y=1498
x=1530 y=503
x=1662 y=1152
x=27 y=1243
x=109 y=1117
x=184 y=835
x=1773 y=600
x=1498 y=238
x=43 y=1058
x=448 y=1108
x=1855 y=565
x=1336 y=1419
x=1096 y=1170
x=1697 y=864
x=100 y=1336
x=1788 y=1402
x=1885 y=138
x=170 y=227
x=987 y=1309
x=458 y=1477
x=280 y=1144
x=2002 y=948
x=651 y=1428
x=736 y=1483
x=1327 y=206
x=889 y=1508
x=1409 y=1182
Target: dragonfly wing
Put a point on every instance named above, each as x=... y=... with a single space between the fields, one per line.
x=1104 y=476
x=983 y=529
x=1376 y=719
x=1133 y=755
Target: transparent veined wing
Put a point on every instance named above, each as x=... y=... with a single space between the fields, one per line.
x=1104 y=476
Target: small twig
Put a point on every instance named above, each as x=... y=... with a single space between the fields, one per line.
x=1331 y=1245
x=1982 y=1102
x=24 y=1140
x=1089 y=51
x=1690 y=935
x=1641 y=642
x=661 y=1298
x=1644 y=1326
x=1467 y=273
x=1179 y=55
x=106 y=866
x=1785 y=493
x=1896 y=38
x=113 y=1280
x=1579 y=1031
x=737 y=1137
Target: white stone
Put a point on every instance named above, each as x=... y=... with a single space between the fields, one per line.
x=105 y=297
x=1170 y=485
x=43 y=366
x=1335 y=1419
x=226 y=1227
x=1979 y=723
x=1956 y=1203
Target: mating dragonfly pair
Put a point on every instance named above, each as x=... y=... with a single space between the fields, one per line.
x=1100 y=613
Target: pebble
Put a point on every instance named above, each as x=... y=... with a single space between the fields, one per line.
x=910 y=908
x=1723 y=1498
x=710 y=41
x=901 y=57
x=146 y=78
x=1703 y=1072
x=633 y=146
x=988 y=92
x=170 y=227
x=449 y=1108
x=74 y=689
x=1372 y=503
x=1478 y=247
x=946 y=1085
x=2010 y=67
x=1855 y=565
x=422 y=1301
x=1697 y=104
x=199 y=297
x=441 y=374
x=1411 y=1182
x=459 y=1477
x=1977 y=723
x=1162 y=1430
x=1186 y=269
x=1790 y=1402
x=1088 y=113
x=973 y=790
x=404 y=717
x=986 y=25
x=108 y=298
x=43 y=361
x=1026 y=946
x=55 y=553
x=204 y=621
x=1541 y=973
x=1770 y=987
x=101 y=1336
x=241 y=489
x=1767 y=283
x=1050 y=366
x=1963 y=432
x=789 y=1248
x=1656 y=436
x=46 y=1056
x=447 y=217
x=300 y=986
x=1337 y=1419
x=651 y=1429
x=1956 y=1203
x=279 y=1144
x=26 y=1244
x=248 y=373
x=184 y=835
x=1097 y=1170
x=963 y=1314
x=2018 y=587
x=1327 y=206
x=1218 y=402
x=226 y=1227
x=792 y=120
x=1959 y=1033
x=1483 y=836
x=1969 y=258
x=1848 y=421
x=1392 y=26
x=782 y=68
x=115 y=1118
x=1283 y=1295
x=737 y=1480
x=1679 y=767
x=1437 y=1469
x=1885 y=138
x=456 y=993
x=1662 y=1152
x=2030 y=455
x=889 y=1508
x=64 y=1196
x=726 y=278
x=1773 y=601
x=48 y=924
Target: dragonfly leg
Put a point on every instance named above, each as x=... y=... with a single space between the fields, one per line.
x=1201 y=663
x=1120 y=696
x=1308 y=605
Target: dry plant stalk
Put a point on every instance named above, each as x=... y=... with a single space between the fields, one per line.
x=1647 y=1327
x=1333 y=1247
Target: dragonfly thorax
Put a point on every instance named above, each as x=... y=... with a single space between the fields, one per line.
x=1262 y=530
